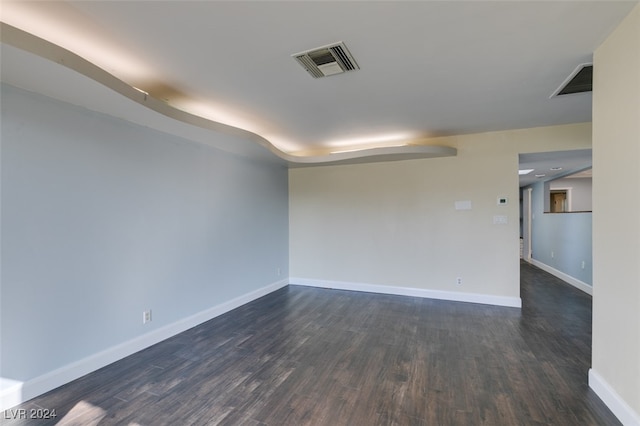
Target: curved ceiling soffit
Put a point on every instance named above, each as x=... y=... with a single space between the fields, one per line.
x=28 y=42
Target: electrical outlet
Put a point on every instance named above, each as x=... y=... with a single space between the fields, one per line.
x=583 y=264
x=552 y=255
x=459 y=281
x=278 y=271
x=146 y=316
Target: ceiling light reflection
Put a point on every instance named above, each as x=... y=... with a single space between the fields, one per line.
x=43 y=19
x=283 y=144
x=362 y=148
x=371 y=140
x=218 y=113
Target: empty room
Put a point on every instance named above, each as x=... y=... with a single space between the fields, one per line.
x=320 y=213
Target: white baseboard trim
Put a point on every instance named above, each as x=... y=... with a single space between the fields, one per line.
x=14 y=392
x=610 y=397
x=487 y=299
x=580 y=285
x=9 y=393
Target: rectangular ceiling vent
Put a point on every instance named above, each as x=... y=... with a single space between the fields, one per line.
x=327 y=60
x=579 y=81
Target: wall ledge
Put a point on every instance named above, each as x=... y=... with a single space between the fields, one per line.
x=454 y=296
x=610 y=397
x=580 y=285
x=14 y=392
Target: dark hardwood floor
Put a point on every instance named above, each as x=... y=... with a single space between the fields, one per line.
x=327 y=357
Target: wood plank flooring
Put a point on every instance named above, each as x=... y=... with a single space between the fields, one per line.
x=306 y=356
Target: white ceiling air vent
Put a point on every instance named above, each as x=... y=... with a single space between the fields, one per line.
x=327 y=60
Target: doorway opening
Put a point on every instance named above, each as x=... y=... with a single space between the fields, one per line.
x=559 y=200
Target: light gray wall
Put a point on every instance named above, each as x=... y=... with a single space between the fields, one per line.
x=102 y=219
x=395 y=223
x=567 y=235
x=581 y=189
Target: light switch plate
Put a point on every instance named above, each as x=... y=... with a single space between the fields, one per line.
x=500 y=220
x=463 y=205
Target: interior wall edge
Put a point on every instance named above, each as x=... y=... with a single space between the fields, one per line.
x=614 y=402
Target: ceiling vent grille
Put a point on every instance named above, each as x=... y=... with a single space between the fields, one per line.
x=327 y=60
x=579 y=81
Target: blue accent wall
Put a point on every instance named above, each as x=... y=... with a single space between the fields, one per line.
x=103 y=219
x=567 y=235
